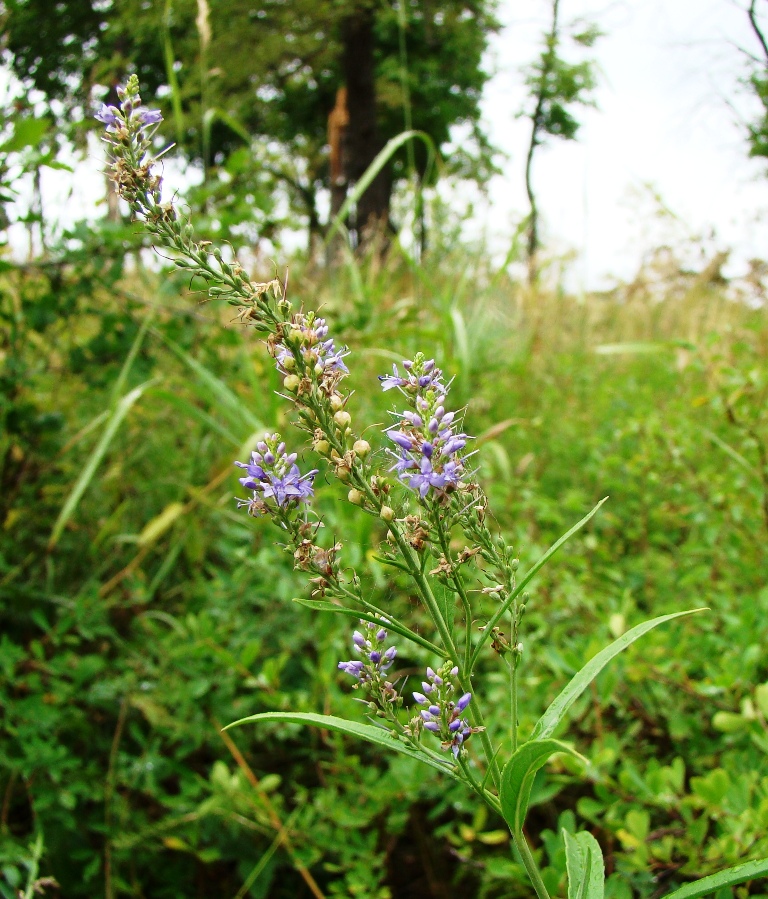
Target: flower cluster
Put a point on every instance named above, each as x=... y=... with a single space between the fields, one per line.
x=442 y=716
x=275 y=478
x=426 y=437
x=303 y=350
x=375 y=659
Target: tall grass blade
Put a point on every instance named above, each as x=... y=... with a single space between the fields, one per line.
x=728 y=878
x=546 y=725
x=86 y=475
x=227 y=398
x=382 y=158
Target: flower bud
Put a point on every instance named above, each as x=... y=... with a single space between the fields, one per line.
x=291 y=383
x=337 y=402
x=343 y=419
x=355 y=497
x=322 y=447
x=295 y=335
x=387 y=513
x=361 y=448
x=343 y=472
x=319 y=369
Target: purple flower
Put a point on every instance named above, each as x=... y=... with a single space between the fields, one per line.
x=274 y=474
x=109 y=116
x=308 y=340
x=420 y=698
x=143 y=116
x=393 y=380
x=429 y=456
x=376 y=661
x=463 y=702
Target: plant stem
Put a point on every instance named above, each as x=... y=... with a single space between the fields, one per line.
x=513 y=702
x=530 y=864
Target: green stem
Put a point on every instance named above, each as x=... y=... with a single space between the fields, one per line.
x=530 y=864
x=459 y=585
x=513 y=702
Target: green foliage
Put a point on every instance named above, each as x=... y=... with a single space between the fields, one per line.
x=161 y=615
x=290 y=52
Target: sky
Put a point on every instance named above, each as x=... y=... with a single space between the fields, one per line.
x=660 y=158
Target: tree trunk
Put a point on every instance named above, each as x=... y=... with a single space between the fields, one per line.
x=363 y=142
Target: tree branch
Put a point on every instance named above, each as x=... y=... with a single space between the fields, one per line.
x=756 y=28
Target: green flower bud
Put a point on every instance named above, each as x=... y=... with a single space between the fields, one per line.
x=361 y=448
x=322 y=447
x=291 y=383
x=356 y=497
x=387 y=514
x=343 y=419
x=337 y=402
x=289 y=363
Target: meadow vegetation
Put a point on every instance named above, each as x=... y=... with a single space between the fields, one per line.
x=140 y=612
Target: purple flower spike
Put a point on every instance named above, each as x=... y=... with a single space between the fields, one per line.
x=275 y=476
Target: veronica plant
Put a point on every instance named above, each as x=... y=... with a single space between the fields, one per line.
x=421 y=485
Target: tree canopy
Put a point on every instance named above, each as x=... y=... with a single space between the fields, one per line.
x=269 y=72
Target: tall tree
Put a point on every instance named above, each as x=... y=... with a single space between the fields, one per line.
x=554 y=85
x=758 y=81
x=271 y=71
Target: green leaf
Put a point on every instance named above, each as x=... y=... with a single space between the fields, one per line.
x=584 y=862
x=81 y=485
x=229 y=403
x=363 y=183
x=529 y=575
x=446 y=603
x=393 y=625
x=368 y=732
x=518 y=774
x=546 y=725
x=728 y=878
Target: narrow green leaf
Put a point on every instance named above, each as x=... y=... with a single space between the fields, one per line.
x=81 y=485
x=518 y=774
x=446 y=602
x=546 y=725
x=529 y=575
x=727 y=878
x=227 y=399
x=393 y=624
x=586 y=869
x=368 y=732
x=383 y=157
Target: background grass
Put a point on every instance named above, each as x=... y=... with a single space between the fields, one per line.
x=140 y=611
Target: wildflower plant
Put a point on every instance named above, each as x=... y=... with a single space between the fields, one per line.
x=421 y=485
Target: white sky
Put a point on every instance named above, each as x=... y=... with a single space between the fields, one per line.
x=666 y=123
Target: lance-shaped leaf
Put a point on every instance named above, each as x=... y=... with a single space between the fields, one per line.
x=546 y=725
x=518 y=774
x=586 y=869
x=526 y=579
x=392 y=624
x=728 y=878
x=368 y=732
